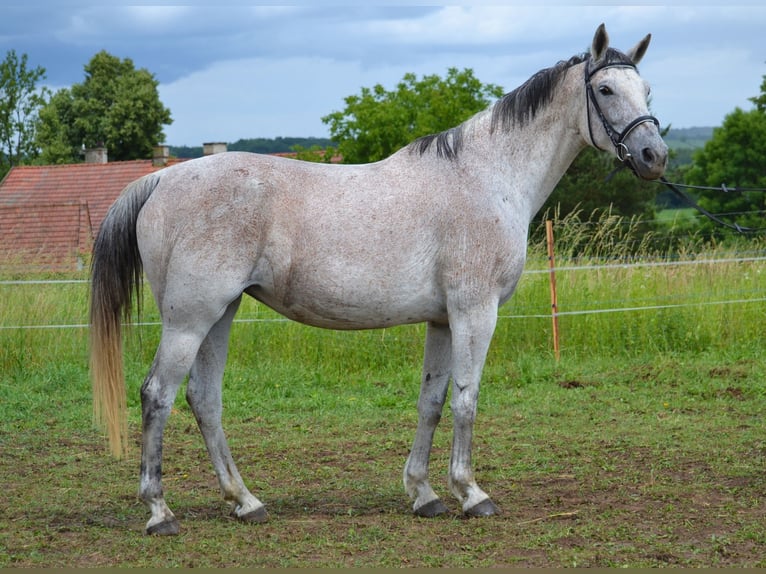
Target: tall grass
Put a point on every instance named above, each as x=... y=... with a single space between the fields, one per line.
x=613 y=303
x=620 y=296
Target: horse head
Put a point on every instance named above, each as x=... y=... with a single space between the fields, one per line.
x=617 y=111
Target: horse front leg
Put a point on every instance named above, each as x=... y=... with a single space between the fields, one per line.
x=433 y=391
x=471 y=336
x=203 y=394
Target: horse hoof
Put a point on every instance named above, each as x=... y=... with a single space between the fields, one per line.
x=485 y=508
x=167 y=528
x=431 y=509
x=258 y=515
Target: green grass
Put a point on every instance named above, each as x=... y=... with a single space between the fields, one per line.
x=644 y=446
x=674 y=216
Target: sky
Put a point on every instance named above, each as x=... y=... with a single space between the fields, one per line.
x=234 y=71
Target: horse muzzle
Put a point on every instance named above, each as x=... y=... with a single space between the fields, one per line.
x=651 y=159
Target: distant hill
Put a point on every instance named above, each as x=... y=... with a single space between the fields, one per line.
x=683 y=141
x=686 y=138
x=257 y=145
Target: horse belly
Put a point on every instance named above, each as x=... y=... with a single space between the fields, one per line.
x=349 y=302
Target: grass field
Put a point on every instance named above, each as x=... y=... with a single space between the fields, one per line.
x=643 y=446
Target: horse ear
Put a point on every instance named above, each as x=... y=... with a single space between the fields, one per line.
x=638 y=51
x=600 y=43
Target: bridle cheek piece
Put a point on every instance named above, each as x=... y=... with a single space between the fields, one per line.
x=617 y=139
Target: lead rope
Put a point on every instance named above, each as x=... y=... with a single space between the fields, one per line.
x=712 y=217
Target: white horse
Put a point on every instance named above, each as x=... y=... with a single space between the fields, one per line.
x=436 y=233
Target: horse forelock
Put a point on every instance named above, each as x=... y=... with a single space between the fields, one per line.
x=611 y=57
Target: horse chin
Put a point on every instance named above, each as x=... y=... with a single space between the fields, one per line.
x=649 y=173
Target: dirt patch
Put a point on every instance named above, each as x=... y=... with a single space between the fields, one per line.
x=575 y=384
x=338 y=501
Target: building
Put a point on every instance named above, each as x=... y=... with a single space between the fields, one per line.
x=49 y=215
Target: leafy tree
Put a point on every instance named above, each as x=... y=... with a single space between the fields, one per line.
x=315 y=153
x=20 y=102
x=378 y=122
x=735 y=156
x=116 y=106
x=56 y=134
x=760 y=101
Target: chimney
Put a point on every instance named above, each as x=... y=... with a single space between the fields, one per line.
x=213 y=148
x=96 y=155
x=160 y=155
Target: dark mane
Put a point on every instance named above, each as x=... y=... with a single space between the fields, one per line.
x=448 y=143
x=518 y=107
x=522 y=104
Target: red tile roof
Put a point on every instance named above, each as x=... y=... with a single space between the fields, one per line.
x=50 y=214
x=43 y=236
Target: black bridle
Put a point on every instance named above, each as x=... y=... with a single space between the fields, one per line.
x=617 y=139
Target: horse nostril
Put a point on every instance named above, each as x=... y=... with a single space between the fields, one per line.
x=648 y=155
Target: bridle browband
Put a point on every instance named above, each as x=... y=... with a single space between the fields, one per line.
x=617 y=139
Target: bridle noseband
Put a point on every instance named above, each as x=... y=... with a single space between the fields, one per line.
x=618 y=139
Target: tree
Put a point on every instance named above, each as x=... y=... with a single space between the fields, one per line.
x=116 y=106
x=377 y=122
x=760 y=101
x=56 y=135
x=20 y=102
x=735 y=156
x=315 y=153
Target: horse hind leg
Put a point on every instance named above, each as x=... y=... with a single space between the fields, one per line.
x=172 y=362
x=203 y=393
x=186 y=325
x=433 y=391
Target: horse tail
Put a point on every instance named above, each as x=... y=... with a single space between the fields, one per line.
x=116 y=273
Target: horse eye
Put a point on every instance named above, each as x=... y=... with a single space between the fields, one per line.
x=605 y=90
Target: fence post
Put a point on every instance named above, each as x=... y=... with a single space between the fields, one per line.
x=554 y=297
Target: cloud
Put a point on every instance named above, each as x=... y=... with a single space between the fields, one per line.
x=279 y=69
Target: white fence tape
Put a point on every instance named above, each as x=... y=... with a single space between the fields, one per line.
x=605 y=266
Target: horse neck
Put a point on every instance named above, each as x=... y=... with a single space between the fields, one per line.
x=527 y=161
